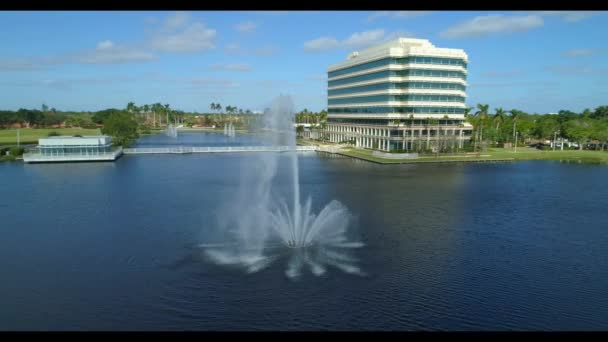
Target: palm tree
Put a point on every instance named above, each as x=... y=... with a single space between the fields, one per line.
x=167 y=110
x=467 y=110
x=146 y=111
x=157 y=110
x=130 y=107
x=212 y=106
x=482 y=115
x=499 y=117
x=515 y=114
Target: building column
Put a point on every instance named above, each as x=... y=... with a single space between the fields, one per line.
x=460 y=140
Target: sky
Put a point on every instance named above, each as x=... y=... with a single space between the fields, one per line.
x=539 y=62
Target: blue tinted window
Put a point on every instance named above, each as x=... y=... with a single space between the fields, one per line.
x=395 y=85
x=385 y=98
x=401 y=73
x=405 y=60
x=402 y=110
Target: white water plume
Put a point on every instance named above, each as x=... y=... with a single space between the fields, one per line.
x=313 y=241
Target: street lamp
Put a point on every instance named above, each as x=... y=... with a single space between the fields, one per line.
x=554 y=140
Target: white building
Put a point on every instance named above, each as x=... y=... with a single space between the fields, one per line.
x=66 y=148
x=404 y=94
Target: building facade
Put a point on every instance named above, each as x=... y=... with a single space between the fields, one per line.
x=65 y=148
x=405 y=94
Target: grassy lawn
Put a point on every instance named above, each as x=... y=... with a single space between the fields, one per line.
x=367 y=154
x=31 y=135
x=492 y=154
x=525 y=153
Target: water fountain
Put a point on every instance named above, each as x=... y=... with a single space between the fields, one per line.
x=260 y=228
x=171 y=131
x=225 y=129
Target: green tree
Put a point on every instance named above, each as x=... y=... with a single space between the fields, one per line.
x=600 y=112
x=545 y=128
x=122 y=127
x=579 y=130
x=600 y=132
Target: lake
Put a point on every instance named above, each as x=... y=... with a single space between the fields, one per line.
x=112 y=246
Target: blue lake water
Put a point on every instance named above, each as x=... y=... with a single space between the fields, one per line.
x=111 y=246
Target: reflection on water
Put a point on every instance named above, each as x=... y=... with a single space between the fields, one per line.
x=461 y=247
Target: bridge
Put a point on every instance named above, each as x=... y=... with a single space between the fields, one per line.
x=220 y=149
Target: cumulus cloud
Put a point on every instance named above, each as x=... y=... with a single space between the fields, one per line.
x=177 y=20
x=576 y=70
x=493 y=24
x=107 y=52
x=356 y=40
x=232 y=48
x=396 y=15
x=177 y=33
x=231 y=67
x=266 y=50
x=570 y=16
x=361 y=39
x=18 y=65
x=321 y=44
x=246 y=27
x=583 y=52
x=193 y=38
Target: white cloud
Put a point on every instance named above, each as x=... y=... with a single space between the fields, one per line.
x=356 y=40
x=577 y=70
x=177 y=20
x=493 y=24
x=246 y=27
x=213 y=83
x=108 y=53
x=398 y=34
x=396 y=15
x=362 y=39
x=583 y=52
x=321 y=44
x=195 y=37
x=69 y=83
x=105 y=45
x=105 y=52
x=231 y=67
x=266 y=50
x=18 y=65
x=570 y=16
x=232 y=48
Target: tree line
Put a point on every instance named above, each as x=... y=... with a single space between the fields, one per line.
x=505 y=126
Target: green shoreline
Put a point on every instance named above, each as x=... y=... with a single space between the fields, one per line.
x=491 y=156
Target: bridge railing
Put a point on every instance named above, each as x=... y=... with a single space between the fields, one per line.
x=210 y=149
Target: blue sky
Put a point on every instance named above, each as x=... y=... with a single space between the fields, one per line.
x=534 y=61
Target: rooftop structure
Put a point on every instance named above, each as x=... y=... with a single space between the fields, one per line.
x=65 y=148
x=404 y=94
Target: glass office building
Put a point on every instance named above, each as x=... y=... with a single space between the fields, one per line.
x=65 y=148
x=405 y=94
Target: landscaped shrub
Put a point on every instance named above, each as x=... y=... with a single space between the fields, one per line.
x=53 y=134
x=17 y=151
x=3 y=151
